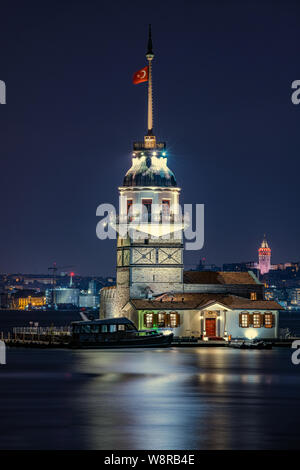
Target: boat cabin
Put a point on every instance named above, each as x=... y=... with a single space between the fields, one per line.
x=109 y=325
x=115 y=332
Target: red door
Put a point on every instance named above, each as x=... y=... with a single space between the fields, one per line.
x=210 y=326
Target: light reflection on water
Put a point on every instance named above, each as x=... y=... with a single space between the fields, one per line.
x=194 y=398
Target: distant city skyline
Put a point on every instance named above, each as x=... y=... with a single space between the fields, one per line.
x=188 y=266
x=196 y=258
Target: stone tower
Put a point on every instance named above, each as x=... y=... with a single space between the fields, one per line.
x=149 y=226
x=264 y=257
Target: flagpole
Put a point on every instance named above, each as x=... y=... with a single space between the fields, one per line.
x=150 y=57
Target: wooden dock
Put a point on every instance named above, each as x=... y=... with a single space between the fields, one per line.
x=38 y=337
x=182 y=343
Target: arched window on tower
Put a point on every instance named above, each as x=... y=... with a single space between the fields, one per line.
x=147 y=203
x=129 y=209
x=166 y=207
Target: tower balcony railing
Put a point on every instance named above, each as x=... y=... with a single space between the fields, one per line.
x=153 y=224
x=151 y=218
x=141 y=146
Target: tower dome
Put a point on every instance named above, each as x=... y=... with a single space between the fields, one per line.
x=149 y=169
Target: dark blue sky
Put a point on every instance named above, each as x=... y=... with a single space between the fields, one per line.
x=222 y=87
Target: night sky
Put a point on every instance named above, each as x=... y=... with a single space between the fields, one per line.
x=222 y=100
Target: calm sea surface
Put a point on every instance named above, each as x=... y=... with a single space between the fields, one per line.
x=193 y=398
x=198 y=398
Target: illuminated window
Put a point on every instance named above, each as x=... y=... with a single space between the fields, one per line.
x=253 y=296
x=161 y=319
x=166 y=207
x=103 y=328
x=121 y=327
x=256 y=320
x=129 y=208
x=148 y=320
x=174 y=320
x=268 y=320
x=112 y=328
x=129 y=204
x=244 y=320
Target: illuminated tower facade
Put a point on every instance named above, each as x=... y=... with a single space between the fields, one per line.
x=150 y=256
x=264 y=257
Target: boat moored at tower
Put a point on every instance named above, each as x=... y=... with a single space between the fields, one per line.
x=116 y=333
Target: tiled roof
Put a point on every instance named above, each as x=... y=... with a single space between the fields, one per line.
x=191 y=301
x=233 y=301
x=176 y=301
x=218 y=277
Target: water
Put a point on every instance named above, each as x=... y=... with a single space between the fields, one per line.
x=290 y=320
x=193 y=398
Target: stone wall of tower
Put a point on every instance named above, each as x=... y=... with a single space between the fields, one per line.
x=156 y=266
x=155 y=260
x=107 y=302
x=137 y=277
x=264 y=257
x=138 y=280
x=113 y=299
x=139 y=290
x=123 y=289
x=264 y=263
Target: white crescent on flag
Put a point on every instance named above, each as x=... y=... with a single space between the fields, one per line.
x=140 y=76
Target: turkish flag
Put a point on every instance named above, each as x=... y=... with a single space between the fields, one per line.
x=141 y=76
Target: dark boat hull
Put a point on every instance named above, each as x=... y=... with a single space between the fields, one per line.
x=138 y=342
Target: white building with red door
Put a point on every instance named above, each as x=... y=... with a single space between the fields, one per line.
x=209 y=305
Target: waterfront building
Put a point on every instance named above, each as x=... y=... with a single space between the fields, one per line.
x=202 y=266
x=152 y=288
x=64 y=296
x=91 y=297
x=238 y=267
x=24 y=301
x=89 y=301
x=5 y=300
x=93 y=287
x=294 y=296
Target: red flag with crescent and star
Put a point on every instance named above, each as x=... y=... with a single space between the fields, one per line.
x=141 y=76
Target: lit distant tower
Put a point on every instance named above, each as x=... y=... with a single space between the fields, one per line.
x=264 y=257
